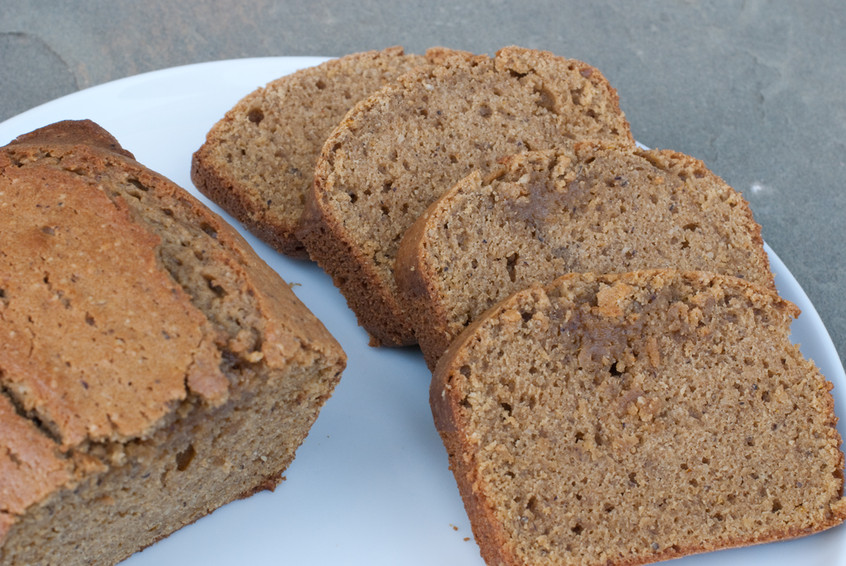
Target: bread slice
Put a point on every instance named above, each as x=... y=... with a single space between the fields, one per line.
x=153 y=367
x=258 y=161
x=404 y=146
x=597 y=207
x=629 y=418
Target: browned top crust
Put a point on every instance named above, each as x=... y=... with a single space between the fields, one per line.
x=596 y=207
x=401 y=148
x=74 y=132
x=119 y=295
x=629 y=418
x=97 y=340
x=258 y=160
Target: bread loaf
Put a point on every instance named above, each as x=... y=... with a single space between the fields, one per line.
x=401 y=148
x=629 y=418
x=596 y=207
x=258 y=161
x=153 y=367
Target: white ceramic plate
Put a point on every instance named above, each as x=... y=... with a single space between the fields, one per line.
x=370 y=485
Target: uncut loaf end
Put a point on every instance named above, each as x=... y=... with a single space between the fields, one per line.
x=154 y=367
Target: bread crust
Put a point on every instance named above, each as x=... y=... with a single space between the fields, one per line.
x=417 y=281
x=328 y=243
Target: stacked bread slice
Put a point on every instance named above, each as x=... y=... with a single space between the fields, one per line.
x=593 y=208
x=400 y=149
x=258 y=160
x=613 y=376
x=393 y=154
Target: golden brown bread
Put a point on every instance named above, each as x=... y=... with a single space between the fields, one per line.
x=405 y=145
x=629 y=418
x=153 y=368
x=258 y=161
x=596 y=207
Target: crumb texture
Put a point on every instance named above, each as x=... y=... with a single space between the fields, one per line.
x=258 y=161
x=404 y=146
x=624 y=419
x=598 y=207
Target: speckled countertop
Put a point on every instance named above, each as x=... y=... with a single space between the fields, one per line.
x=755 y=89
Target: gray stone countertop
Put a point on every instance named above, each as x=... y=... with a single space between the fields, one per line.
x=755 y=89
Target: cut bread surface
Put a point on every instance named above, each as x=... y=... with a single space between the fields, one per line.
x=258 y=161
x=596 y=207
x=630 y=418
x=405 y=145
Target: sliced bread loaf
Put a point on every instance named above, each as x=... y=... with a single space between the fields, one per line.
x=258 y=161
x=400 y=149
x=153 y=367
x=596 y=207
x=630 y=418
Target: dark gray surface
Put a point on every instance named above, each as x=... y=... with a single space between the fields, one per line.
x=755 y=89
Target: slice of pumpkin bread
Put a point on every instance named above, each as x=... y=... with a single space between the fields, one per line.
x=404 y=146
x=595 y=207
x=153 y=367
x=637 y=417
x=258 y=161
